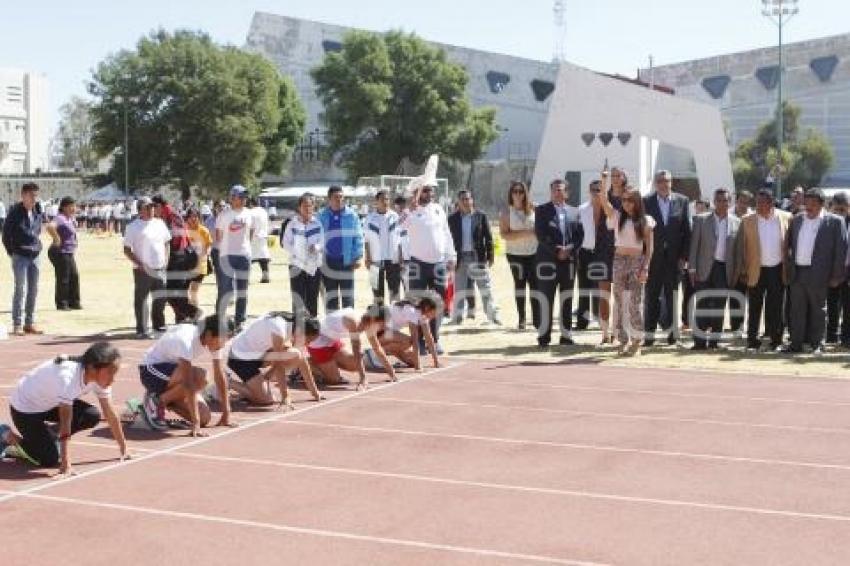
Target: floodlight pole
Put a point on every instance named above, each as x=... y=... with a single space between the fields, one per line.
x=779 y=12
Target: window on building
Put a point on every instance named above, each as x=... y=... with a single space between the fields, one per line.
x=716 y=86
x=768 y=76
x=497 y=81
x=823 y=67
x=331 y=46
x=542 y=89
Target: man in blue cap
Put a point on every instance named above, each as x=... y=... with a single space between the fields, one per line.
x=234 y=230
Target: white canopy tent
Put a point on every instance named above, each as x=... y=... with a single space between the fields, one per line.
x=109 y=193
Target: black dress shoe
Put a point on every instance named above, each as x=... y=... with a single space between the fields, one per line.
x=542 y=345
x=753 y=344
x=699 y=348
x=648 y=343
x=671 y=340
x=789 y=350
x=713 y=346
x=566 y=341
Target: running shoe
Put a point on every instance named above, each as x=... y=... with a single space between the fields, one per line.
x=15 y=451
x=295 y=376
x=153 y=412
x=4 y=431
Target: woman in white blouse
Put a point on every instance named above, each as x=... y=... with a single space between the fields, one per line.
x=632 y=254
x=303 y=240
x=51 y=393
x=516 y=227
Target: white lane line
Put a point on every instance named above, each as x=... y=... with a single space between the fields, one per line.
x=626 y=416
x=573 y=446
x=198 y=441
x=514 y=488
x=566 y=387
x=312 y=532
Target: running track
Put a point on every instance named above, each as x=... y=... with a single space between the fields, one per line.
x=478 y=463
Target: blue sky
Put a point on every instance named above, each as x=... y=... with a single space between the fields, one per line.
x=65 y=40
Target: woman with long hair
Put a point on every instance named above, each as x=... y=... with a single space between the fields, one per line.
x=516 y=226
x=63 y=231
x=633 y=246
x=201 y=241
x=51 y=394
x=603 y=253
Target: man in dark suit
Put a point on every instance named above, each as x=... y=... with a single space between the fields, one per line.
x=817 y=249
x=672 y=237
x=559 y=237
x=713 y=270
x=838 y=301
x=473 y=243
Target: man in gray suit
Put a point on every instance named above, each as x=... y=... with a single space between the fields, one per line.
x=713 y=270
x=817 y=250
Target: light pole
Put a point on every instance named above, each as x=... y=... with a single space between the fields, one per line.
x=125 y=100
x=779 y=12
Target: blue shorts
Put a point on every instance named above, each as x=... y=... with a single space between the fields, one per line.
x=155 y=377
x=246 y=370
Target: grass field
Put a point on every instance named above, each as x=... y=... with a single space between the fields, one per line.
x=106 y=283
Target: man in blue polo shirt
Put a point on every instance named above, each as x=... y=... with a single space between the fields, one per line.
x=343 y=250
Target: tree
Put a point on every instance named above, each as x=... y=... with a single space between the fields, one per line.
x=392 y=96
x=198 y=114
x=806 y=156
x=74 y=136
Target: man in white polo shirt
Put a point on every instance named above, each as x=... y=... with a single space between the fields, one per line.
x=234 y=230
x=432 y=251
x=146 y=245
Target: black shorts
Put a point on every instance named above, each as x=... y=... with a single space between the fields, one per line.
x=155 y=378
x=245 y=369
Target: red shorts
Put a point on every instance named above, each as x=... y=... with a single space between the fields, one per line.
x=323 y=354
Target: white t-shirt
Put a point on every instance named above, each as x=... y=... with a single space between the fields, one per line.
x=50 y=385
x=235 y=230
x=333 y=328
x=256 y=339
x=147 y=240
x=181 y=342
x=627 y=238
x=402 y=316
x=260 y=243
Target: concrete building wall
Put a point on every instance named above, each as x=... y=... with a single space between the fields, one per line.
x=24 y=129
x=296 y=46
x=744 y=87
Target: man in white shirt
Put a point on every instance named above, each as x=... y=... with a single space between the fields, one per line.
x=817 y=245
x=146 y=245
x=234 y=231
x=588 y=300
x=383 y=248
x=260 y=241
x=432 y=251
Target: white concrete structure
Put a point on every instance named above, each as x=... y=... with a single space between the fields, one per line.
x=638 y=120
x=744 y=87
x=24 y=131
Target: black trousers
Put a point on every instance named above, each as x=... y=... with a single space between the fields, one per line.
x=305 y=290
x=339 y=285
x=687 y=294
x=838 y=309
x=523 y=273
x=552 y=277
x=767 y=295
x=67 y=278
x=807 y=320
x=389 y=277
x=588 y=301
x=660 y=289
x=424 y=277
x=36 y=438
x=145 y=284
x=737 y=320
x=710 y=295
